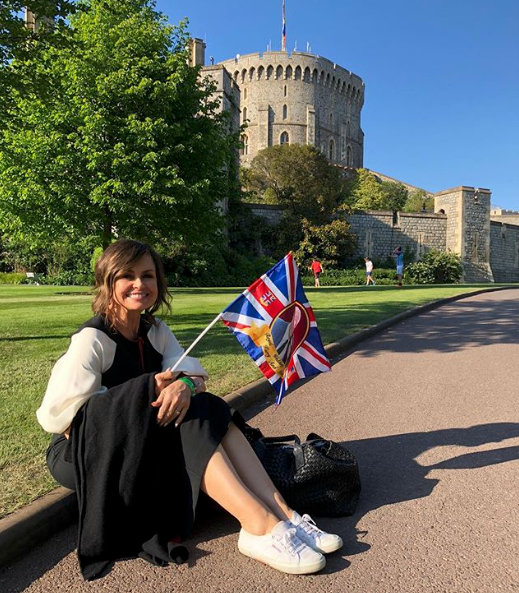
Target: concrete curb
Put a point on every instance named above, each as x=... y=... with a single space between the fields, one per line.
x=39 y=520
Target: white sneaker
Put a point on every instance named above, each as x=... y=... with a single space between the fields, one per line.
x=281 y=549
x=317 y=539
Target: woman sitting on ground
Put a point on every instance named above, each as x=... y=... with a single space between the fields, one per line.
x=138 y=442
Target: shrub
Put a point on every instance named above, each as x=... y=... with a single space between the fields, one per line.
x=12 y=278
x=436 y=267
x=68 y=278
x=351 y=277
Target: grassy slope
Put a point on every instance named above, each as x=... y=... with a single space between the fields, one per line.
x=36 y=323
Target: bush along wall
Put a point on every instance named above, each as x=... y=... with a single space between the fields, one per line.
x=383 y=276
x=436 y=267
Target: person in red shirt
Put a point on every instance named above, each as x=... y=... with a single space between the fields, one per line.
x=317 y=269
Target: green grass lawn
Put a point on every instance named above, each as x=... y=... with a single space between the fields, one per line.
x=37 y=321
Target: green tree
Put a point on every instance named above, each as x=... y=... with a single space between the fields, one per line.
x=298 y=177
x=368 y=192
x=311 y=191
x=419 y=201
x=18 y=41
x=395 y=196
x=16 y=38
x=125 y=140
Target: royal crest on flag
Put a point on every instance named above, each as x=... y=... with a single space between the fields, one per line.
x=275 y=324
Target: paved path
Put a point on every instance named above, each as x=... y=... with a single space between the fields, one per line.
x=430 y=408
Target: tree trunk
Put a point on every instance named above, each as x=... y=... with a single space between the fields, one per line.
x=106 y=237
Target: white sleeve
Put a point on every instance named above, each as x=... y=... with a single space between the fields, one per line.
x=163 y=340
x=75 y=378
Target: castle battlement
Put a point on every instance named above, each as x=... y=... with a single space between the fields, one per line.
x=299 y=98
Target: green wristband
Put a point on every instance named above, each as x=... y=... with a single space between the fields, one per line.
x=190 y=383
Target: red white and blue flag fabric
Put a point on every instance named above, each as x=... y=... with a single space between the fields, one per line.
x=275 y=324
x=283 y=30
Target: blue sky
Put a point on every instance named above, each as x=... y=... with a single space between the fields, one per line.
x=442 y=77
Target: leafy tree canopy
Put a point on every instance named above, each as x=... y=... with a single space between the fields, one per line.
x=368 y=192
x=123 y=140
x=15 y=38
x=419 y=201
x=300 y=178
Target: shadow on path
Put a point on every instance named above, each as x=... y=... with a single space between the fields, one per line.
x=451 y=328
x=390 y=473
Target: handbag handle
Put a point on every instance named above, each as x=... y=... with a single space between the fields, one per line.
x=287 y=438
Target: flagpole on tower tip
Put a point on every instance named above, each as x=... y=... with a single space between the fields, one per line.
x=175 y=366
x=283 y=30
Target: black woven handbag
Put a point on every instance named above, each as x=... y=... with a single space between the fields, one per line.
x=318 y=476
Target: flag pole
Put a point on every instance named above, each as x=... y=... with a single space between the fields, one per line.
x=284 y=30
x=175 y=366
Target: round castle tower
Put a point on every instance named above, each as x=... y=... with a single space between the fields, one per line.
x=299 y=98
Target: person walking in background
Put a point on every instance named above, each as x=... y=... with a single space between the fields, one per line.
x=398 y=254
x=317 y=270
x=369 y=272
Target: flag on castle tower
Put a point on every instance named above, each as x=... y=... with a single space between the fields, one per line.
x=284 y=30
x=275 y=324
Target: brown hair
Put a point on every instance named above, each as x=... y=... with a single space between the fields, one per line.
x=115 y=260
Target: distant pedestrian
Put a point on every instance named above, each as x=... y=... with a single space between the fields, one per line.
x=317 y=269
x=398 y=254
x=369 y=272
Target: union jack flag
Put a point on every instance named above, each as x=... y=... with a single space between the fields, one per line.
x=273 y=321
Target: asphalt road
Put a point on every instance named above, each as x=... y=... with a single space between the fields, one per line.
x=430 y=409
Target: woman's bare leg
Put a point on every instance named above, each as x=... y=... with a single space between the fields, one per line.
x=252 y=472
x=222 y=483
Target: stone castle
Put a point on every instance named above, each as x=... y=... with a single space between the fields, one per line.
x=302 y=98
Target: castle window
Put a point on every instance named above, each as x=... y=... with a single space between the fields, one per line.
x=244 y=114
x=297 y=73
x=244 y=150
x=306 y=75
x=315 y=76
x=285 y=112
x=331 y=120
x=260 y=72
x=244 y=93
x=285 y=91
x=243 y=75
x=270 y=70
x=251 y=73
x=348 y=157
x=284 y=139
x=331 y=151
x=279 y=72
x=236 y=74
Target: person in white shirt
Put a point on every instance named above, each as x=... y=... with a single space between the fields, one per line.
x=369 y=272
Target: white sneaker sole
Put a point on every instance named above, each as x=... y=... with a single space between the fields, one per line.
x=283 y=567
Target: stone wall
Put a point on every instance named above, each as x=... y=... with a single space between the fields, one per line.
x=504 y=251
x=376 y=233
x=468 y=229
x=489 y=249
x=379 y=233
